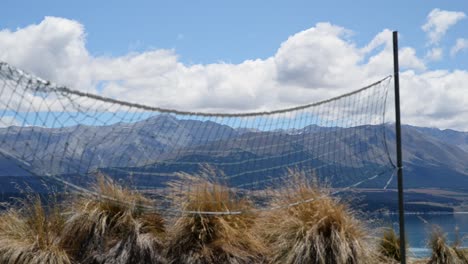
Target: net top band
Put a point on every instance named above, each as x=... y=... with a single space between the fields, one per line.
x=47 y=86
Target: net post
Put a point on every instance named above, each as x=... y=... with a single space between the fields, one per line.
x=401 y=208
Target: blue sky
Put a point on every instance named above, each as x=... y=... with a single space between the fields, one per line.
x=232 y=31
x=245 y=55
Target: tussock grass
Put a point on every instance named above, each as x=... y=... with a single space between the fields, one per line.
x=321 y=230
x=462 y=253
x=389 y=245
x=198 y=238
x=113 y=227
x=30 y=234
x=442 y=253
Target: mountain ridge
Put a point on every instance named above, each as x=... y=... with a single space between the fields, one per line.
x=431 y=156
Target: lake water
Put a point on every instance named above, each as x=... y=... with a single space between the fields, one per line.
x=418 y=229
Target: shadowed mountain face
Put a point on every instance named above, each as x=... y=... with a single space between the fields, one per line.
x=149 y=150
x=457 y=138
x=78 y=148
x=432 y=161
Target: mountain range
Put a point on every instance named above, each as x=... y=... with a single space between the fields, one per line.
x=151 y=151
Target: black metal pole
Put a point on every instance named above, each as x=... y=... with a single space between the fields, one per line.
x=398 y=148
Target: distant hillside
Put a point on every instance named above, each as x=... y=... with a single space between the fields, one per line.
x=453 y=137
x=163 y=145
x=432 y=162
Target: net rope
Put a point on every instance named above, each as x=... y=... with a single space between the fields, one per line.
x=68 y=137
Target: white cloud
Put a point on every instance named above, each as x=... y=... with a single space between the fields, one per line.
x=318 y=57
x=311 y=65
x=383 y=38
x=6 y=121
x=434 y=54
x=54 y=49
x=435 y=98
x=438 y=22
x=378 y=64
x=460 y=45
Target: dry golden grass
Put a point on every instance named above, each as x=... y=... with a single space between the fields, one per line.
x=113 y=227
x=116 y=227
x=462 y=254
x=198 y=238
x=442 y=253
x=30 y=234
x=389 y=245
x=321 y=230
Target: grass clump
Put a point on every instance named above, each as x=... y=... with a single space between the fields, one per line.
x=29 y=233
x=442 y=253
x=317 y=228
x=199 y=238
x=113 y=227
x=389 y=245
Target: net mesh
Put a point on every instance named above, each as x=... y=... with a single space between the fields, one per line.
x=68 y=137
